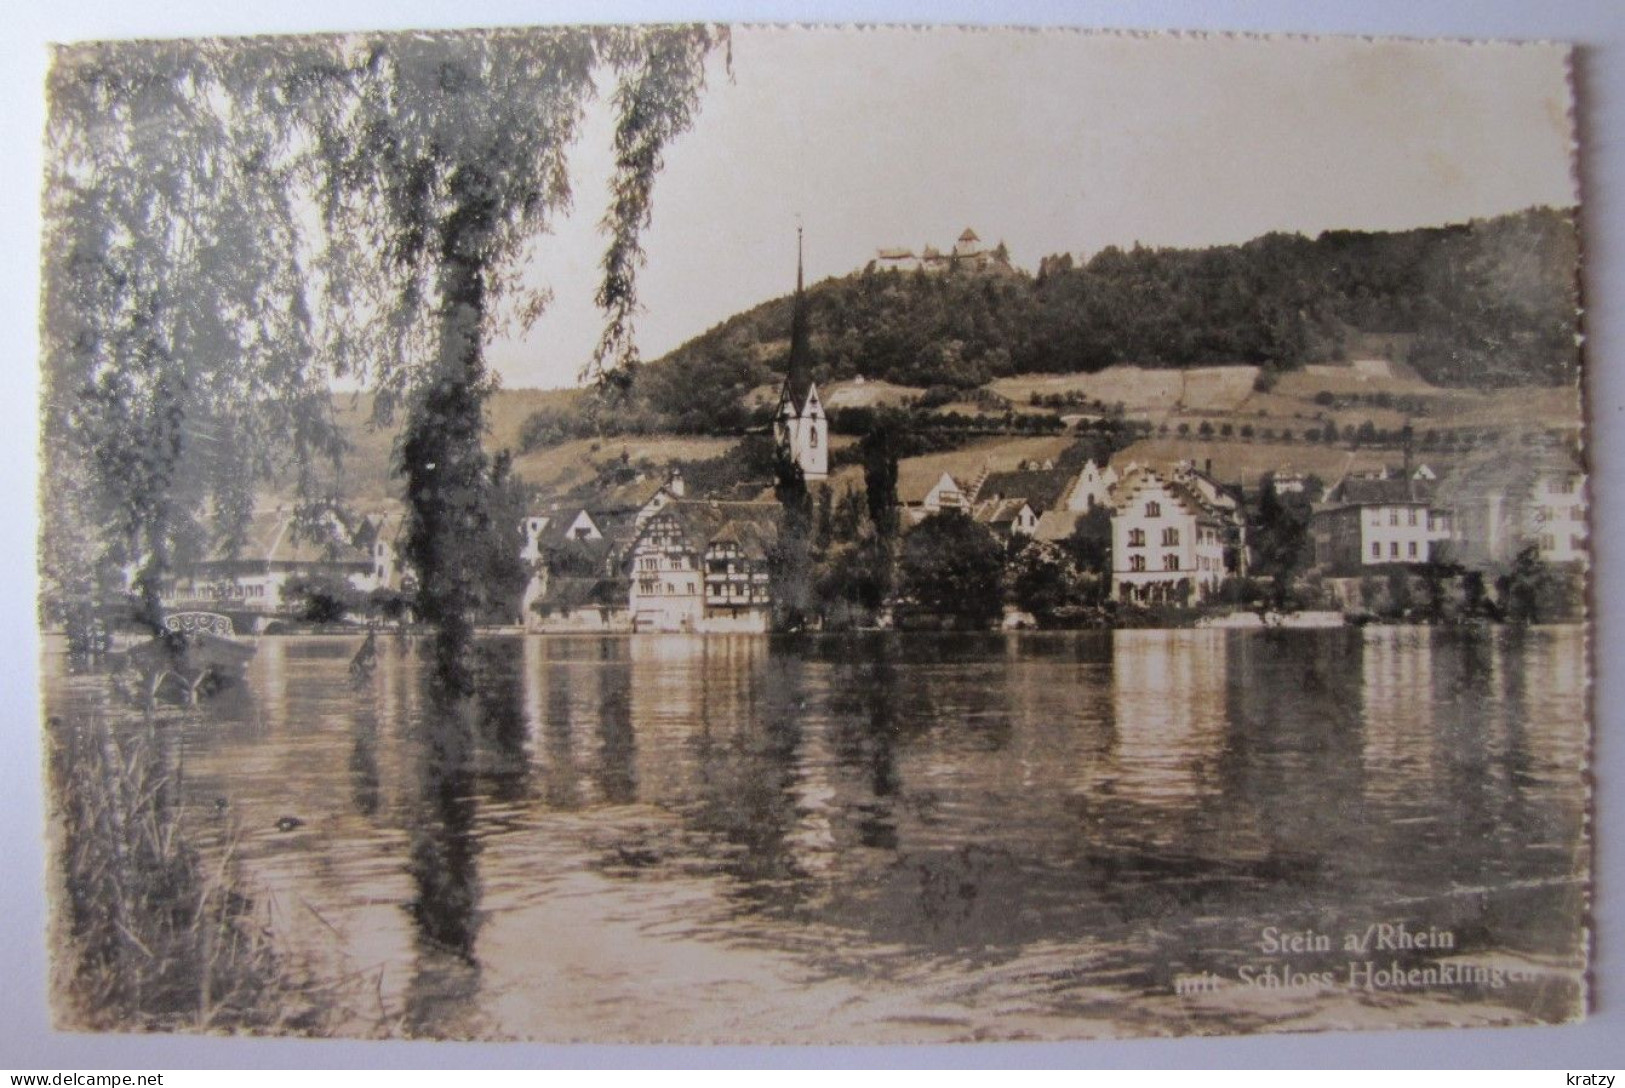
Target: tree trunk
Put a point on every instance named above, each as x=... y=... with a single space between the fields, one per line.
x=445 y=472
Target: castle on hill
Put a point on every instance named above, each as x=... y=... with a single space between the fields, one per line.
x=967 y=255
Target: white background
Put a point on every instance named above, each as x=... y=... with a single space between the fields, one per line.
x=26 y=1041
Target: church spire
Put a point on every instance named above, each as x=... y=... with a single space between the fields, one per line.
x=798 y=375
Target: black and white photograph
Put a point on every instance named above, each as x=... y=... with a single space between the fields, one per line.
x=746 y=534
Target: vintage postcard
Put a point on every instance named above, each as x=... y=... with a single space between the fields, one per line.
x=817 y=535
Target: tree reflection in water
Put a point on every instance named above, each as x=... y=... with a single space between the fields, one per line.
x=745 y=775
x=443 y=864
x=615 y=771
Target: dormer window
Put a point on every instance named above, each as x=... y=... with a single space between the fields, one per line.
x=1153 y=509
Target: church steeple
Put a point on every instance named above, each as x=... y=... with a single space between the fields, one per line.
x=798 y=375
x=801 y=427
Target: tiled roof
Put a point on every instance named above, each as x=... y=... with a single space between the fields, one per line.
x=998 y=511
x=1043 y=489
x=753 y=526
x=274 y=537
x=915 y=481
x=1057 y=524
x=1361 y=491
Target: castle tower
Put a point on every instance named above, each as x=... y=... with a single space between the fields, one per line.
x=800 y=426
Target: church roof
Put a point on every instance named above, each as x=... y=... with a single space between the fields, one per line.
x=969 y=236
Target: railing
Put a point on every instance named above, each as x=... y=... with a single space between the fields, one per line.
x=199 y=623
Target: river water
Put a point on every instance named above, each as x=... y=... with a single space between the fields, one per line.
x=892 y=838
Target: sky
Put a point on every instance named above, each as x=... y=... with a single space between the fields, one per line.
x=1051 y=142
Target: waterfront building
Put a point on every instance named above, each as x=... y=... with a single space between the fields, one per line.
x=1168 y=540
x=250 y=579
x=1506 y=504
x=702 y=566
x=1374 y=521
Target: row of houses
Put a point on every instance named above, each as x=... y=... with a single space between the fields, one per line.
x=645 y=556
x=1481 y=515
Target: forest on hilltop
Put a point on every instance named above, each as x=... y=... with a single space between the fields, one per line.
x=1488 y=304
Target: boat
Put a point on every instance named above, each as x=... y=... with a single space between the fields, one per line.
x=198 y=650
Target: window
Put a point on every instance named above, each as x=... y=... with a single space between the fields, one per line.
x=1393 y=549
x=1153 y=509
x=1410 y=517
x=812 y=438
x=1546 y=542
x=1410 y=549
x=1136 y=562
x=1136 y=538
x=1170 y=562
x=1376 y=550
x=1576 y=514
x=1393 y=517
x=1578 y=543
x=1170 y=537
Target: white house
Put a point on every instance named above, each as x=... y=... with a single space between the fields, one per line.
x=923 y=492
x=1505 y=504
x=1168 y=544
x=276 y=551
x=1092 y=488
x=1367 y=522
x=1006 y=517
x=702 y=566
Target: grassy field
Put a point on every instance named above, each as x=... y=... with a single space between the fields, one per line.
x=849 y=394
x=1141 y=390
x=1244 y=462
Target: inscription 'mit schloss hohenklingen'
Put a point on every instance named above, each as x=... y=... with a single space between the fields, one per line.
x=1355 y=973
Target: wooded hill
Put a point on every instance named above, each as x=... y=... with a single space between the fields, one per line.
x=1487 y=304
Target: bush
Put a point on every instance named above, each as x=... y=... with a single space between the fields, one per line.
x=320 y=598
x=951 y=567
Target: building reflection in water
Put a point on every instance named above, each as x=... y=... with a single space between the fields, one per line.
x=1084 y=809
x=561 y=778
x=746 y=767
x=1168 y=703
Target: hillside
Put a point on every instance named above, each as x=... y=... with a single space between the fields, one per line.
x=1286 y=350
x=1488 y=304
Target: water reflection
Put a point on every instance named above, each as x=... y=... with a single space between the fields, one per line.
x=666 y=832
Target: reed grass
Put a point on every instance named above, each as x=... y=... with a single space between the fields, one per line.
x=158 y=930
